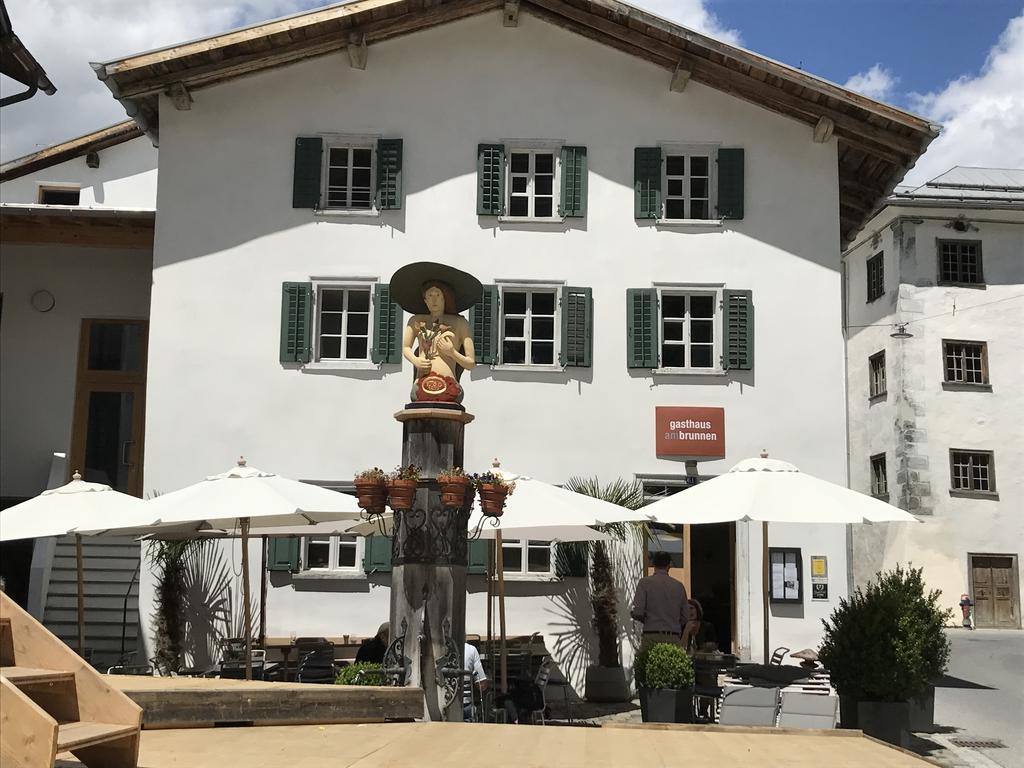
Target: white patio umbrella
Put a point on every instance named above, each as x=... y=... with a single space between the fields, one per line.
x=771 y=491
x=73 y=509
x=242 y=498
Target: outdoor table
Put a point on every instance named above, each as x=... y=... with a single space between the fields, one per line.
x=345 y=649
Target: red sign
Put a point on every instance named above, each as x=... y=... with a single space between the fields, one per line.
x=694 y=432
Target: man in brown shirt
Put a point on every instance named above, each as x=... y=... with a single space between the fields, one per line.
x=660 y=604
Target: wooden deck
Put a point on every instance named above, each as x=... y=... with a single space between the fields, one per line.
x=397 y=745
x=195 y=702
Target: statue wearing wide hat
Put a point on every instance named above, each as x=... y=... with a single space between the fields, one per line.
x=437 y=340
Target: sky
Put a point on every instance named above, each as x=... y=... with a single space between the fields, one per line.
x=959 y=63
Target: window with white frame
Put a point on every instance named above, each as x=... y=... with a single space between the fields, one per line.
x=966 y=362
x=687 y=182
x=529 y=323
x=333 y=553
x=527 y=557
x=343 y=322
x=972 y=471
x=690 y=325
x=532 y=188
x=349 y=180
x=879 y=477
x=876 y=374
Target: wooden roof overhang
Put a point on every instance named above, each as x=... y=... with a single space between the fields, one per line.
x=877 y=142
x=67 y=225
x=68 y=150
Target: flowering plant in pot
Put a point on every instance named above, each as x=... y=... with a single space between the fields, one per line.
x=664 y=675
x=454 y=485
x=402 y=483
x=371 y=492
x=493 y=490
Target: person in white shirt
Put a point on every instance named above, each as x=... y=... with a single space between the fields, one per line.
x=472 y=664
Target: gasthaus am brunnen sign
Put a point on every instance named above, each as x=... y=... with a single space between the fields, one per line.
x=694 y=432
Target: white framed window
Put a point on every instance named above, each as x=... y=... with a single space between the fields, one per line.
x=336 y=554
x=59 y=194
x=350 y=173
x=690 y=329
x=879 y=477
x=528 y=557
x=343 y=321
x=530 y=325
x=532 y=184
x=876 y=375
x=688 y=182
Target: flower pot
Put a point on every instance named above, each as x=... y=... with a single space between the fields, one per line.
x=402 y=494
x=888 y=721
x=605 y=684
x=453 y=492
x=492 y=499
x=371 y=495
x=922 y=711
x=666 y=705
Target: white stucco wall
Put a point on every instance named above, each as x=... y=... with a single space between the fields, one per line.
x=126 y=178
x=227 y=237
x=934 y=419
x=39 y=350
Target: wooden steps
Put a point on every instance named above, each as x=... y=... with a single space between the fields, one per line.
x=54 y=702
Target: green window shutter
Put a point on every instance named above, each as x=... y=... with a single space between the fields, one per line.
x=477 y=552
x=283 y=554
x=641 y=328
x=730 y=183
x=646 y=182
x=577 y=327
x=738 y=311
x=490 y=179
x=377 y=554
x=296 y=322
x=387 y=314
x=573 y=202
x=483 y=319
x=389 y=174
x=571 y=559
x=306 y=178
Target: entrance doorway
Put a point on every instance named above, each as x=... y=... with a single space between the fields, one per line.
x=106 y=441
x=703 y=559
x=994 y=591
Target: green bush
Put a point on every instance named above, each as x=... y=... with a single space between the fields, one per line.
x=663 y=666
x=886 y=642
x=349 y=675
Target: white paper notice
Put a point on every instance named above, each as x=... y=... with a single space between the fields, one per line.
x=778 y=590
x=791 y=581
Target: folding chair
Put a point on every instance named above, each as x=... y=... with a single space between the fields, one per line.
x=749 y=706
x=808 y=710
x=541 y=681
x=778 y=655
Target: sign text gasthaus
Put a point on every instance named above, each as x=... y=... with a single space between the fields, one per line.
x=686 y=431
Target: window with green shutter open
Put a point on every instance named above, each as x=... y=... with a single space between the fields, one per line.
x=532 y=181
x=340 y=173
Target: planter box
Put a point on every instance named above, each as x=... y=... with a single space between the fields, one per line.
x=666 y=705
x=922 y=711
x=888 y=721
x=606 y=684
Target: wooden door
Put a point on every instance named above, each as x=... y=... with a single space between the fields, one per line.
x=995 y=604
x=109 y=420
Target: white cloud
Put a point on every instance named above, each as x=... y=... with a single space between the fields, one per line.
x=877 y=83
x=64 y=36
x=982 y=115
x=693 y=14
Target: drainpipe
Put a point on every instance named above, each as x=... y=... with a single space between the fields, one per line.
x=23 y=96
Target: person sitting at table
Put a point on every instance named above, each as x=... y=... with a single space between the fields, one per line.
x=697 y=631
x=373 y=648
x=473 y=664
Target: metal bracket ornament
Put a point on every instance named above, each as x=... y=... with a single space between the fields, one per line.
x=397 y=665
x=449 y=667
x=437 y=537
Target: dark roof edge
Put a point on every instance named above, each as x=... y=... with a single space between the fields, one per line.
x=70 y=149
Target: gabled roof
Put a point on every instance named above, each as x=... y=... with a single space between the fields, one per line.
x=988 y=187
x=877 y=142
x=70 y=149
x=16 y=61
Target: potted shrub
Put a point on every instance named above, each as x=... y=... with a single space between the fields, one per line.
x=371 y=492
x=883 y=647
x=664 y=674
x=605 y=681
x=402 y=484
x=455 y=484
x=493 y=490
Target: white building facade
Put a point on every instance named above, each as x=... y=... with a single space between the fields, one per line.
x=935 y=415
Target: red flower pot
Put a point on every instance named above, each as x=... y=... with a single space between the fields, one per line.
x=492 y=499
x=453 y=492
x=402 y=494
x=371 y=495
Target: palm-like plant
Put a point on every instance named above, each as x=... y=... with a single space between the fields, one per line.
x=169 y=560
x=603 y=597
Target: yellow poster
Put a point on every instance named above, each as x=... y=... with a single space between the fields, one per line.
x=819 y=566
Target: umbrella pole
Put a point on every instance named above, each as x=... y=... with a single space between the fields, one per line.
x=263 y=592
x=489 y=648
x=247 y=612
x=765 y=585
x=80 y=563
x=499 y=566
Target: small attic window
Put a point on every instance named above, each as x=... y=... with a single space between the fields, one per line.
x=59 y=195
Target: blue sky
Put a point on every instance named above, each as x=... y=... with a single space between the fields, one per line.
x=958 y=62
